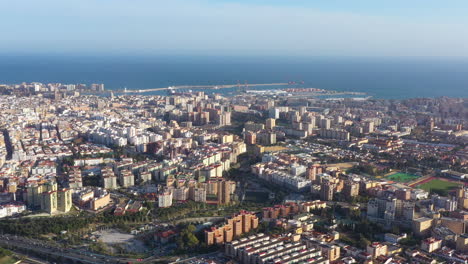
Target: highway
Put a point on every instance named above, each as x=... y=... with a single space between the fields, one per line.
x=28 y=259
x=28 y=246
x=40 y=247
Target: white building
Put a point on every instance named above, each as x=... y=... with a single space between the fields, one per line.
x=11 y=209
x=165 y=199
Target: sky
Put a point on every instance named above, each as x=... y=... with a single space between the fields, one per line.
x=236 y=27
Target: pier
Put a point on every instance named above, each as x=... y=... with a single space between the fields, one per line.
x=194 y=87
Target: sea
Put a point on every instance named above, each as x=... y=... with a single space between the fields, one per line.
x=379 y=77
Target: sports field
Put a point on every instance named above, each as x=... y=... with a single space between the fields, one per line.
x=438 y=186
x=402 y=177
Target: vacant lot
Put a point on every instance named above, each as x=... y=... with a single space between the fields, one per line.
x=113 y=236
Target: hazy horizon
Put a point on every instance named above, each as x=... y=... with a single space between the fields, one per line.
x=361 y=28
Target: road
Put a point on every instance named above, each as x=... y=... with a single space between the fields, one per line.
x=28 y=246
x=216 y=254
x=27 y=259
x=37 y=246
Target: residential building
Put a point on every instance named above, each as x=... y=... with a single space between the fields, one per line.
x=235 y=226
x=165 y=199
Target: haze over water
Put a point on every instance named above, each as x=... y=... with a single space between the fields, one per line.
x=390 y=78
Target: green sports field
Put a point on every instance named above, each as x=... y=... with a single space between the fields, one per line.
x=402 y=177
x=438 y=186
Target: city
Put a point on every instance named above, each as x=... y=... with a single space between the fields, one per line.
x=233 y=132
x=254 y=177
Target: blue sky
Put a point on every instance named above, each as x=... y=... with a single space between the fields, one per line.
x=236 y=27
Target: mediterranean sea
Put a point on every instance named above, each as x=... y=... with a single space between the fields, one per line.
x=389 y=78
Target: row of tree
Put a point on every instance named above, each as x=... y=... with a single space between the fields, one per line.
x=45 y=225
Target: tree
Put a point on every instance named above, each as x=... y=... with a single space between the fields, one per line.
x=187 y=238
x=409 y=242
x=99 y=247
x=5 y=252
x=363 y=241
x=355 y=214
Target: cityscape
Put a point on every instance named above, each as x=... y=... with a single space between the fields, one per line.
x=269 y=176
x=233 y=132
